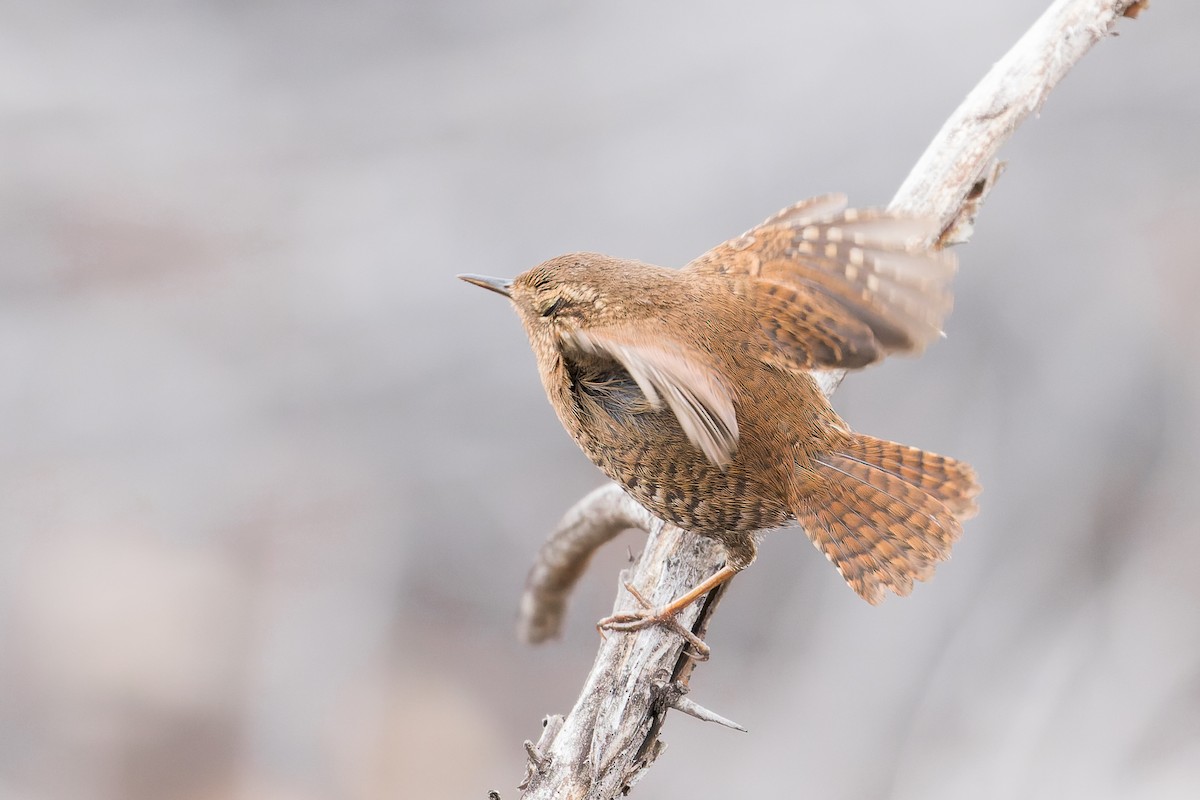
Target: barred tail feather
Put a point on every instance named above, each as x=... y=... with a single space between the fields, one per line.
x=886 y=514
x=950 y=481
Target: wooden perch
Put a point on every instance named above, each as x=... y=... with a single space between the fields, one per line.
x=610 y=738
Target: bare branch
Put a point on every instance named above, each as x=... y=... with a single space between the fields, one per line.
x=610 y=737
x=958 y=162
x=592 y=522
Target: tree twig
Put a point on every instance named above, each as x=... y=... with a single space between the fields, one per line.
x=610 y=738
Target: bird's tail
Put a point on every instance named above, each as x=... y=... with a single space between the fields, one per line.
x=886 y=514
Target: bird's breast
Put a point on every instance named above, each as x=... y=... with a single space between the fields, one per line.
x=645 y=449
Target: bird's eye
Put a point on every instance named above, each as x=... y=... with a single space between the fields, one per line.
x=553 y=307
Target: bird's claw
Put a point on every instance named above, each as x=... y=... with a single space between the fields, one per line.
x=647 y=616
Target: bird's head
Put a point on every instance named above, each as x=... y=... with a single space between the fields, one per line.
x=574 y=292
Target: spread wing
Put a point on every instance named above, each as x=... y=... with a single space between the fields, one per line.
x=670 y=373
x=836 y=287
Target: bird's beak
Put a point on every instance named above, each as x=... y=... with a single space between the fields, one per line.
x=498 y=285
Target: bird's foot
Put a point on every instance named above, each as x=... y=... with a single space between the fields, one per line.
x=647 y=615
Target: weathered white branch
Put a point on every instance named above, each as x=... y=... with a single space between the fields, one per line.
x=610 y=737
x=593 y=521
x=961 y=154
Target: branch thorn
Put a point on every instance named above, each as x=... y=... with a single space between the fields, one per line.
x=674 y=695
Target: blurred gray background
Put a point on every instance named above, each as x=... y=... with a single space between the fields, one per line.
x=270 y=478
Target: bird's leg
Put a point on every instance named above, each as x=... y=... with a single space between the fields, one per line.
x=668 y=615
x=739 y=553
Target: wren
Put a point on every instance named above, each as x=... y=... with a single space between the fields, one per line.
x=698 y=389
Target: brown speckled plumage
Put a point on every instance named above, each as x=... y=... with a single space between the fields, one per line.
x=695 y=389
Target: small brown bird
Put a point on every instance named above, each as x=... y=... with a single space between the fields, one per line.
x=697 y=389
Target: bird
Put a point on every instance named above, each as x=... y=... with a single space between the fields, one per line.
x=698 y=389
